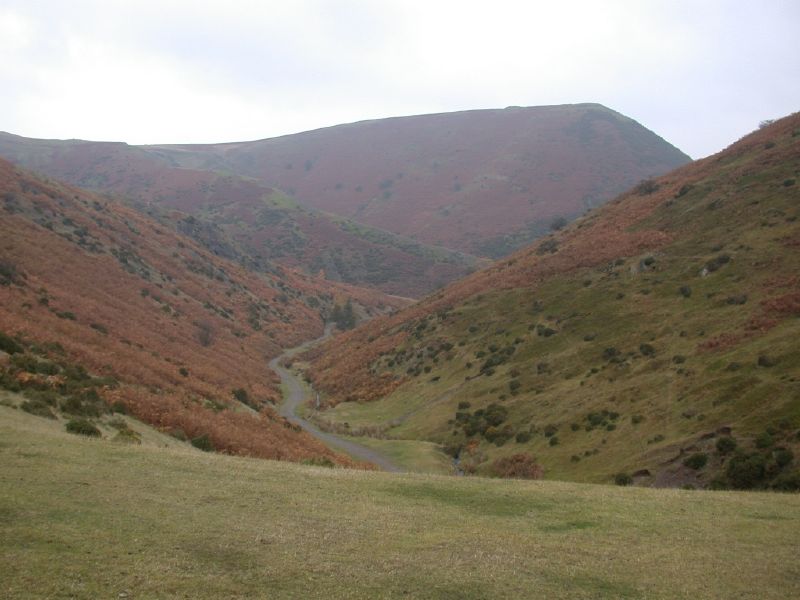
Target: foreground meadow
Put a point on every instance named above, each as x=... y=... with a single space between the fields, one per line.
x=95 y=519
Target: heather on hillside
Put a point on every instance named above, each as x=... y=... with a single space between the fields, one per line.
x=91 y=282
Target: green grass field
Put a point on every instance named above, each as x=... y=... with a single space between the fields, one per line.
x=86 y=518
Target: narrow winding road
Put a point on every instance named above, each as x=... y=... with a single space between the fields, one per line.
x=295 y=395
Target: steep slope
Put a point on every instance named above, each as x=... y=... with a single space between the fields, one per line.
x=483 y=182
x=91 y=290
x=631 y=341
x=262 y=225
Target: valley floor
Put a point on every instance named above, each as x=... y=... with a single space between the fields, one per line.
x=94 y=519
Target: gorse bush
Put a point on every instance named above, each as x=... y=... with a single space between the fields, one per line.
x=9 y=344
x=203 y=442
x=746 y=471
x=623 y=479
x=82 y=427
x=38 y=408
x=726 y=445
x=646 y=187
x=696 y=461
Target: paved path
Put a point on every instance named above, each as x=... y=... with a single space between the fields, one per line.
x=296 y=394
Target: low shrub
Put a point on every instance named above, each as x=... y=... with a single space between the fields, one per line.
x=787 y=482
x=646 y=187
x=726 y=445
x=647 y=350
x=37 y=408
x=82 y=427
x=717 y=262
x=696 y=461
x=766 y=361
x=746 y=471
x=765 y=440
x=119 y=407
x=9 y=344
x=128 y=436
x=623 y=479
x=783 y=456
x=319 y=461
x=518 y=466
x=523 y=437
x=203 y=442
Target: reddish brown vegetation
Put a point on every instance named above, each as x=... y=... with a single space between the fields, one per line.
x=254 y=219
x=517 y=466
x=129 y=299
x=460 y=180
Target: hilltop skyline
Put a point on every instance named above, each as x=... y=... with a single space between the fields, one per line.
x=179 y=72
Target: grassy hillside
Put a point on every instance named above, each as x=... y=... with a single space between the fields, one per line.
x=92 y=289
x=242 y=218
x=88 y=519
x=631 y=343
x=483 y=182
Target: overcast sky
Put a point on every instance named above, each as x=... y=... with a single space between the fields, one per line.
x=700 y=73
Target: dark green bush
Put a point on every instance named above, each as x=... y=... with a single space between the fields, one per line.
x=119 y=407
x=610 y=353
x=495 y=414
x=717 y=262
x=82 y=427
x=76 y=406
x=128 y=436
x=523 y=437
x=726 y=445
x=636 y=419
x=623 y=479
x=783 y=456
x=787 y=482
x=646 y=187
x=647 y=349
x=319 y=461
x=98 y=327
x=463 y=405
x=8 y=273
x=554 y=441
x=765 y=440
x=696 y=461
x=746 y=471
x=38 y=408
x=685 y=291
x=9 y=344
x=203 y=442
x=766 y=361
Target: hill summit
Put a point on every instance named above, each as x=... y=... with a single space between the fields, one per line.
x=654 y=337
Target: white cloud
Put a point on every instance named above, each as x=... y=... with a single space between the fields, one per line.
x=699 y=74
